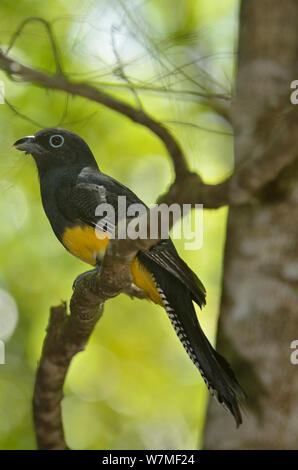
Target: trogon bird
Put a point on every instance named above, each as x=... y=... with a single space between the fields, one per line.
x=72 y=187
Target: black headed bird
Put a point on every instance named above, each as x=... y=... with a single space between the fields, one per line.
x=72 y=187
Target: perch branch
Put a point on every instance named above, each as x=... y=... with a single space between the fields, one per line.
x=68 y=335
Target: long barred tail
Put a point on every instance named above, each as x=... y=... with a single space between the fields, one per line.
x=215 y=370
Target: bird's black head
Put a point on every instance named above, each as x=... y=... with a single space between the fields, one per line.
x=56 y=147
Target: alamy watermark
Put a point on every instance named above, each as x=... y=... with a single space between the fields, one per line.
x=294 y=354
x=2 y=92
x=294 y=94
x=133 y=221
x=2 y=352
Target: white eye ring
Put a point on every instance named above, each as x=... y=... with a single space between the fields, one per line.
x=56 y=146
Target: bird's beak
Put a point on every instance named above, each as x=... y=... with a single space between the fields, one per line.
x=26 y=144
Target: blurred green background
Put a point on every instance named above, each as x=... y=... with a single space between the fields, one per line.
x=134 y=387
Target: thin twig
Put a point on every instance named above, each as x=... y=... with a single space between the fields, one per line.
x=15 y=68
x=120 y=70
x=234 y=191
x=22 y=115
x=49 y=31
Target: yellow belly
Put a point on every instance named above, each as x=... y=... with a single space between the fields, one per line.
x=83 y=242
x=143 y=279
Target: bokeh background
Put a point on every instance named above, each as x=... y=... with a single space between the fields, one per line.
x=134 y=386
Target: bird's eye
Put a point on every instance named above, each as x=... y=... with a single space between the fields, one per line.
x=56 y=141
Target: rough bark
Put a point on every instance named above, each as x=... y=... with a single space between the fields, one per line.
x=259 y=311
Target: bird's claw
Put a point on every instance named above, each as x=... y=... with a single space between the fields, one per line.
x=81 y=276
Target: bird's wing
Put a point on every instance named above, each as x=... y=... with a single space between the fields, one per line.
x=165 y=255
x=85 y=193
x=91 y=190
x=83 y=199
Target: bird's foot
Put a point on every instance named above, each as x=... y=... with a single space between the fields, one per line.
x=81 y=276
x=135 y=291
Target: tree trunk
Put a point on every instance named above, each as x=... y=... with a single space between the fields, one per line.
x=259 y=311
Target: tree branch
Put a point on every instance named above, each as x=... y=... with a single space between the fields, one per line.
x=188 y=187
x=68 y=335
x=263 y=167
x=60 y=82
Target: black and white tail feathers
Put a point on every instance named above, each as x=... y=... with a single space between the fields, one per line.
x=178 y=302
